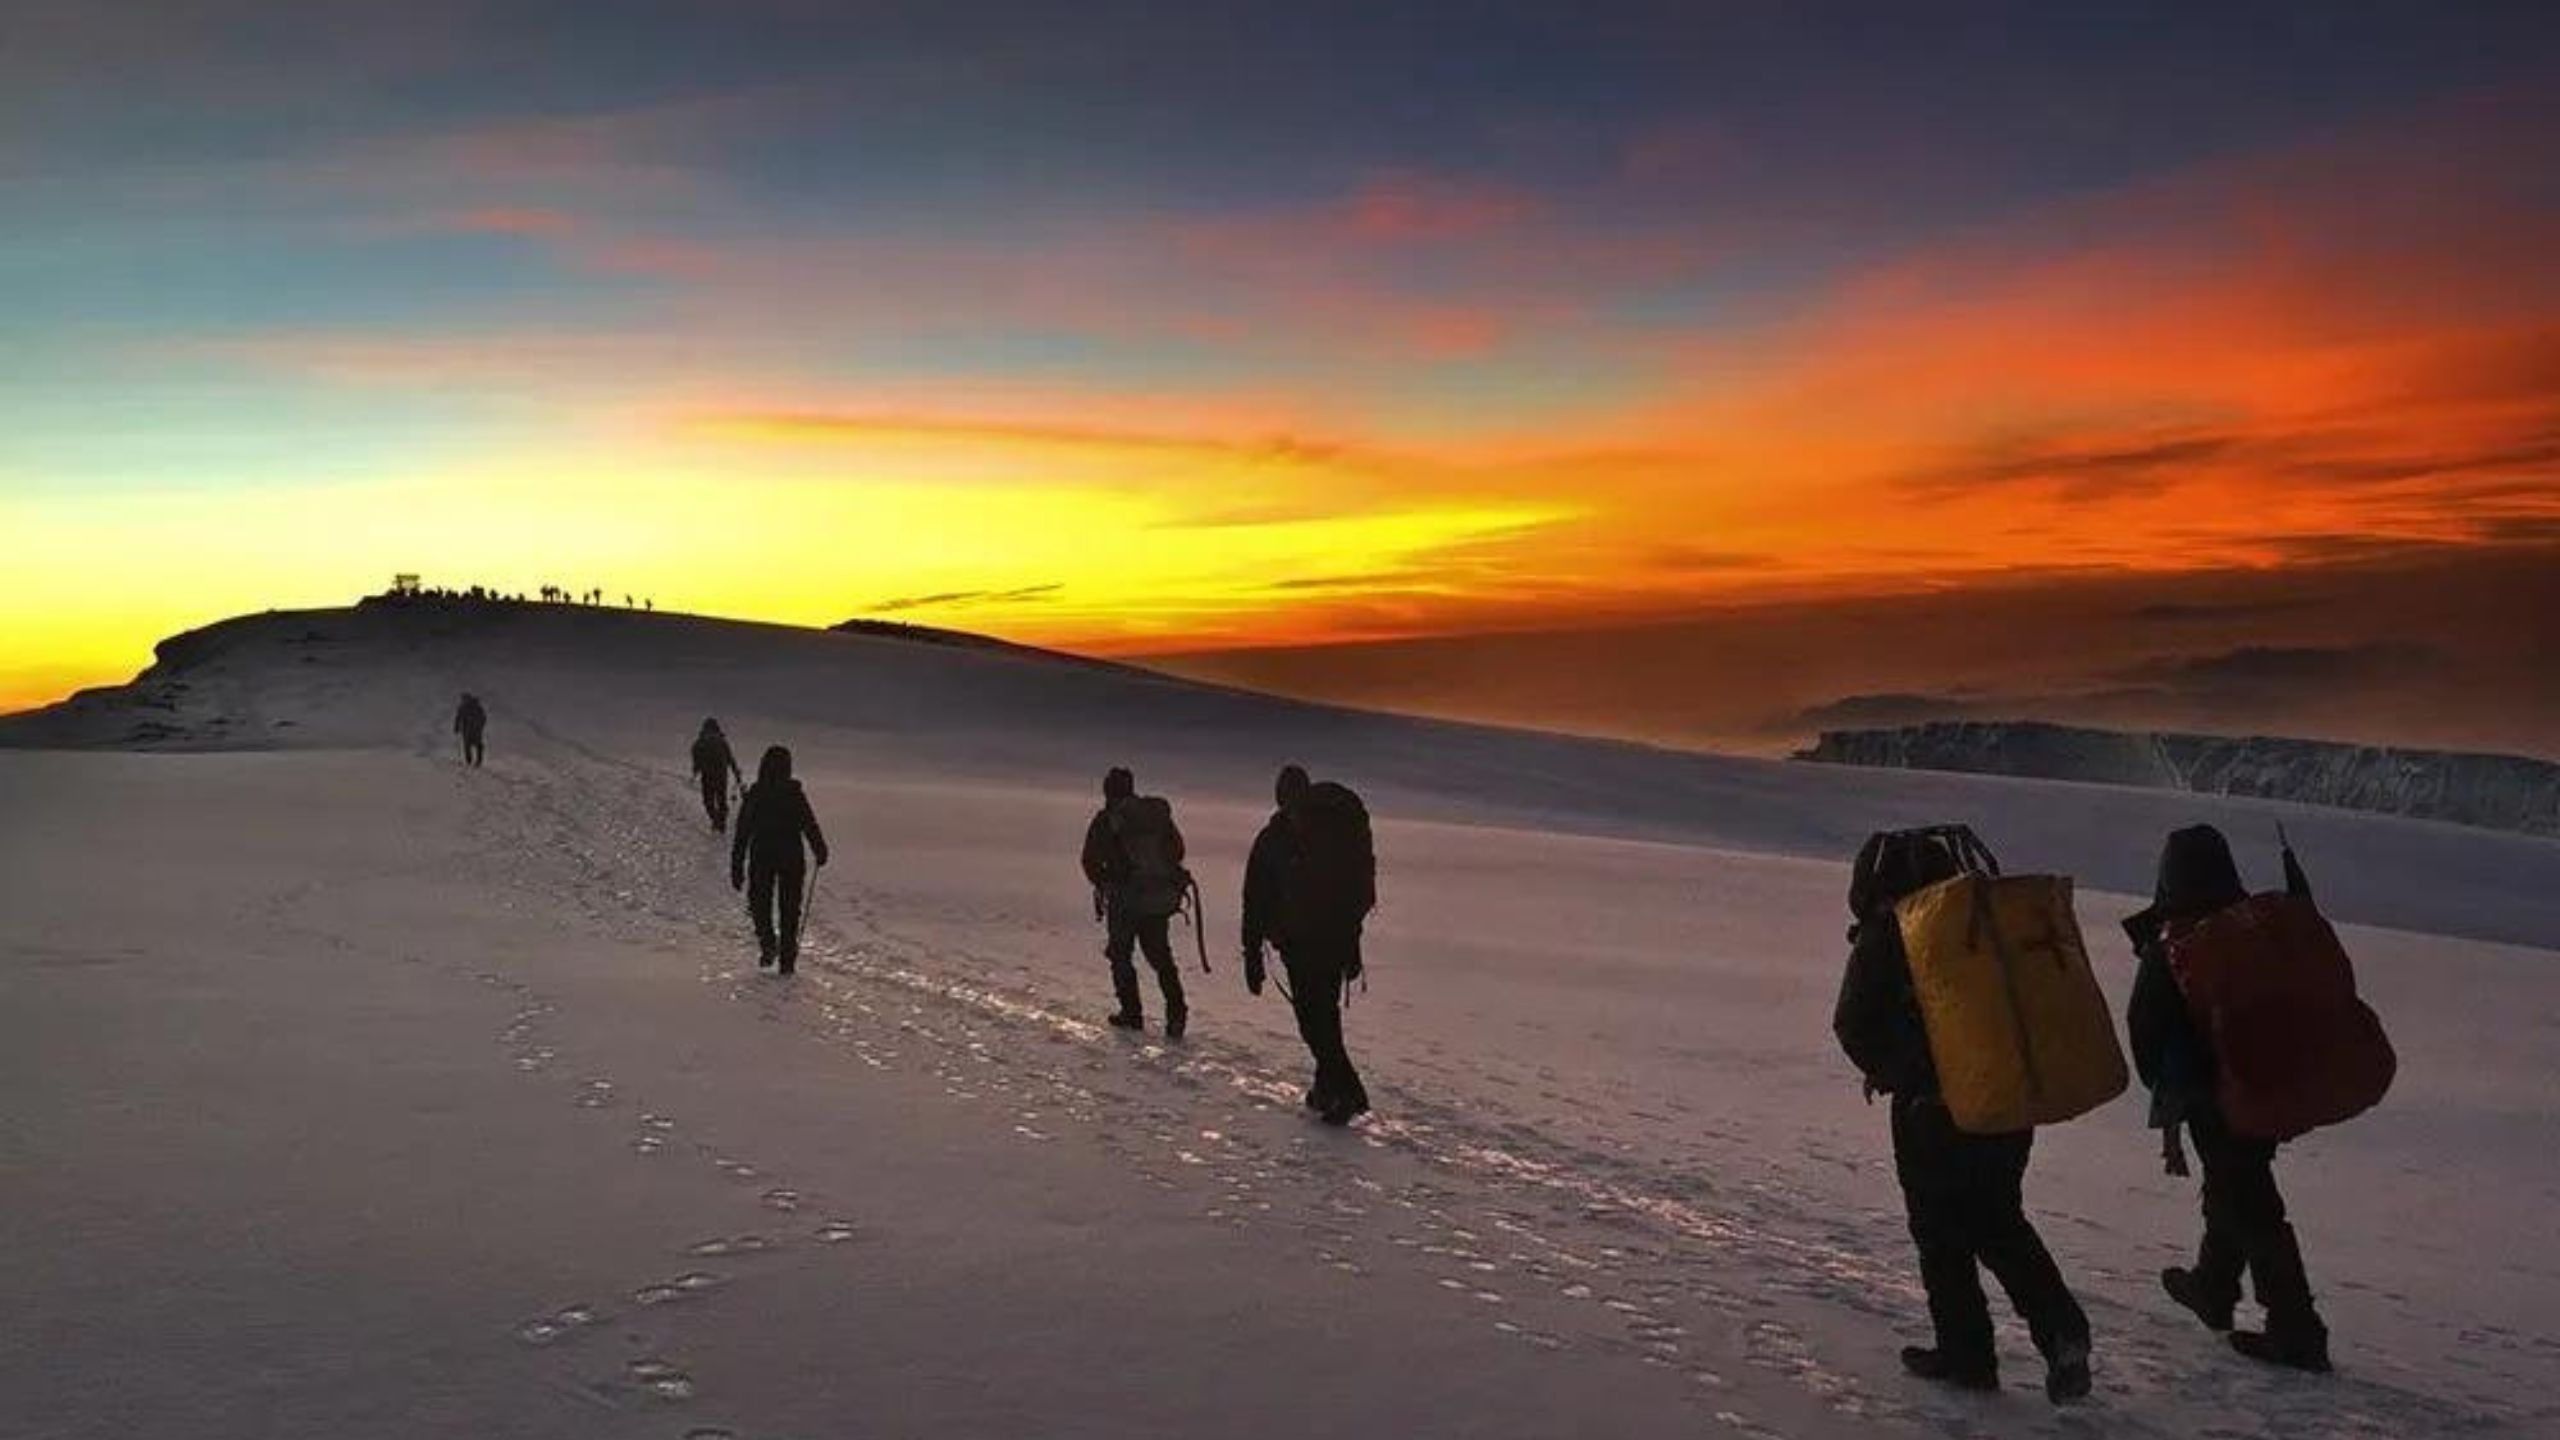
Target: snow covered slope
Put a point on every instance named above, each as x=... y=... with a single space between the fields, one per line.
x=356 y=1093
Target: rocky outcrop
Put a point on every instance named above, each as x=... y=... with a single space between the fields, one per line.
x=2499 y=792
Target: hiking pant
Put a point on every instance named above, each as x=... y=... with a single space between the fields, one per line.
x=473 y=749
x=1151 y=934
x=772 y=886
x=715 y=800
x=1315 y=992
x=2245 y=1228
x=1968 y=1213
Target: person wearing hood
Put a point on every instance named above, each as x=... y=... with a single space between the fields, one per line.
x=715 y=767
x=2245 y=1229
x=1964 y=1194
x=1133 y=856
x=1319 y=945
x=766 y=861
x=471 y=722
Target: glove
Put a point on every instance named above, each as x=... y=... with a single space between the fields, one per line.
x=1253 y=975
x=822 y=859
x=737 y=878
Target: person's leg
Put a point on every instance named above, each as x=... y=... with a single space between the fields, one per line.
x=713 y=792
x=2009 y=1247
x=760 y=887
x=2240 y=1183
x=1333 y=1057
x=2211 y=1286
x=1120 y=937
x=1930 y=1166
x=1302 y=1006
x=790 y=884
x=1155 y=938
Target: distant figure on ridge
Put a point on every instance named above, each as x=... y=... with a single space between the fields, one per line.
x=471 y=722
x=1308 y=889
x=2301 y=1045
x=765 y=858
x=1962 y=1190
x=715 y=767
x=1133 y=856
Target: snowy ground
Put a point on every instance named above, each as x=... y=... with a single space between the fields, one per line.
x=353 y=1093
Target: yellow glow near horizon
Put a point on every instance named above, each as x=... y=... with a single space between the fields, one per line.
x=802 y=538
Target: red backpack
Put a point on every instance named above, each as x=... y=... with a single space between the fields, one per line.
x=2275 y=997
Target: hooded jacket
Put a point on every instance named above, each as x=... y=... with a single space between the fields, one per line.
x=2197 y=877
x=1877 y=1020
x=773 y=818
x=712 y=759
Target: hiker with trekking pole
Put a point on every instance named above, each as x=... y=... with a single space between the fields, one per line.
x=471 y=722
x=1309 y=886
x=1132 y=857
x=766 y=861
x=716 y=769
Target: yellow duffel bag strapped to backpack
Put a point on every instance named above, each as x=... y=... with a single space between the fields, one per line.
x=2019 y=1030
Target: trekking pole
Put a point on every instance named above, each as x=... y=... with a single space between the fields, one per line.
x=1199 y=924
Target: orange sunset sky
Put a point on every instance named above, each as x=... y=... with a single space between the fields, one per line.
x=1262 y=327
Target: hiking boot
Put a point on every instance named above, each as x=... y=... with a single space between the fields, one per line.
x=1944 y=1369
x=1127 y=1020
x=1342 y=1110
x=790 y=956
x=2306 y=1350
x=2190 y=1293
x=2066 y=1372
x=764 y=954
x=1315 y=1098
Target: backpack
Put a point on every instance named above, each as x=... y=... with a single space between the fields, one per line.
x=1154 y=883
x=2019 y=1031
x=2274 y=995
x=1333 y=880
x=1906 y=859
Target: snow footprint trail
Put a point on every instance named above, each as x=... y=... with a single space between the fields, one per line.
x=1564 y=1250
x=648 y=1319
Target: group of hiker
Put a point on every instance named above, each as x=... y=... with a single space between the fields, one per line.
x=1309 y=885
x=1969 y=1002
x=768 y=861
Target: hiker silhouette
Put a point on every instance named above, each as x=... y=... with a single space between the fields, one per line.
x=1132 y=857
x=2245 y=1228
x=1963 y=1193
x=471 y=722
x=715 y=767
x=766 y=861
x=1309 y=886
